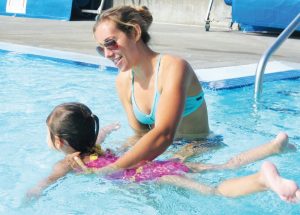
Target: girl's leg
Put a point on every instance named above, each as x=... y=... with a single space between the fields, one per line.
x=181 y=181
x=202 y=167
x=195 y=148
x=278 y=145
x=267 y=178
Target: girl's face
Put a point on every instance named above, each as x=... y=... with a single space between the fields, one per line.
x=122 y=52
x=49 y=140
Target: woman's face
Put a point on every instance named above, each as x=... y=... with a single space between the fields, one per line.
x=122 y=54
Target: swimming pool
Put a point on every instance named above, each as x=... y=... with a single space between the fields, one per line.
x=31 y=86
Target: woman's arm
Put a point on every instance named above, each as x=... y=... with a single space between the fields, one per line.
x=175 y=83
x=59 y=170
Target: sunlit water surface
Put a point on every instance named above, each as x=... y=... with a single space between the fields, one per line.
x=31 y=87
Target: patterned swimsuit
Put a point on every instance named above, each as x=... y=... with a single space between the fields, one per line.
x=149 y=171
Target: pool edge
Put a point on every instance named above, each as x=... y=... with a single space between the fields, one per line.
x=213 y=78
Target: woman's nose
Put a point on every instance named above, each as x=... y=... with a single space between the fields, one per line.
x=108 y=53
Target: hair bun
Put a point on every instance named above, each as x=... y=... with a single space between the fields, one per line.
x=145 y=14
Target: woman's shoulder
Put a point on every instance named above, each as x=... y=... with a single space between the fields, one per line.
x=123 y=77
x=123 y=81
x=171 y=64
x=173 y=61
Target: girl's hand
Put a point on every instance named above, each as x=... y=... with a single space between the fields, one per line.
x=33 y=193
x=112 y=127
x=103 y=132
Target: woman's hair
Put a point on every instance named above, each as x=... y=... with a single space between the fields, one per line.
x=75 y=123
x=126 y=17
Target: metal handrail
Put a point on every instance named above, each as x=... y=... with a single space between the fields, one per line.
x=98 y=11
x=265 y=57
x=207 y=19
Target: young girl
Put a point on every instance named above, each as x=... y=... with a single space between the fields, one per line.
x=74 y=130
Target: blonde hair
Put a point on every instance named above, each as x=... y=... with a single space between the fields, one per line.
x=97 y=150
x=126 y=17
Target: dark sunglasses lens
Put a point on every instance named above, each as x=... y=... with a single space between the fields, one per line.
x=110 y=43
x=100 y=50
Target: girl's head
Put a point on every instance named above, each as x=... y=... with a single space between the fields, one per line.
x=73 y=124
x=119 y=30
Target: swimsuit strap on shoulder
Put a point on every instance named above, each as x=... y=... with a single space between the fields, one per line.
x=143 y=118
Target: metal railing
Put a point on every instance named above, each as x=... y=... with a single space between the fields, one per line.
x=207 y=19
x=98 y=11
x=265 y=57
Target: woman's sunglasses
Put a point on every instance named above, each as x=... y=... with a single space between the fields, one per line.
x=110 y=44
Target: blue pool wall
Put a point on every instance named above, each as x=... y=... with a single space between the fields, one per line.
x=268 y=15
x=48 y=9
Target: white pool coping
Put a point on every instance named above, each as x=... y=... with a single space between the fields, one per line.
x=224 y=73
x=66 y=55
x=204 y=75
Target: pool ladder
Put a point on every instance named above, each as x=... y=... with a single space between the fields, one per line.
x=98 y=11
x=265 y=57
x=207 y=19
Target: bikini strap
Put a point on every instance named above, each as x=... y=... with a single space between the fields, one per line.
x=156 y=71
x=156 y=74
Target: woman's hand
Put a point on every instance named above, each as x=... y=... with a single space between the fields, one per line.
x=72 y=159
x=75 y=162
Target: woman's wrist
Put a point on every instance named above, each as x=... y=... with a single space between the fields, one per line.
x=111 y=168
x=114 y=167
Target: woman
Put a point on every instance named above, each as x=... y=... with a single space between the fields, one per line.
x=161 y=94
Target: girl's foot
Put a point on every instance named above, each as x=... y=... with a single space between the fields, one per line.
x=286 y=189
x=282 y=140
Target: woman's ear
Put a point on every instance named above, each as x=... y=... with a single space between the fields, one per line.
x=137 y=32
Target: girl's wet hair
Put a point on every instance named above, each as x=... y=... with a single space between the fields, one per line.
x=75 y=123
x=126 y=17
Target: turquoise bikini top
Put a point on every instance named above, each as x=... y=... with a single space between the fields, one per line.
x=192 y=103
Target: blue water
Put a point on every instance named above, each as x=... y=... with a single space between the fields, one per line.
x=31 y=87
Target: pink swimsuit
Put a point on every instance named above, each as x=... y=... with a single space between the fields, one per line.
x=149 y=171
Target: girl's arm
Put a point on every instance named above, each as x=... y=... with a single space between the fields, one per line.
x=103 y=132
x=59 y=170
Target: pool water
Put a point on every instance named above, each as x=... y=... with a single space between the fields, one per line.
x=32 y=86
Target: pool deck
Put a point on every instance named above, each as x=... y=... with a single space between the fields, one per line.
x=218 y=51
